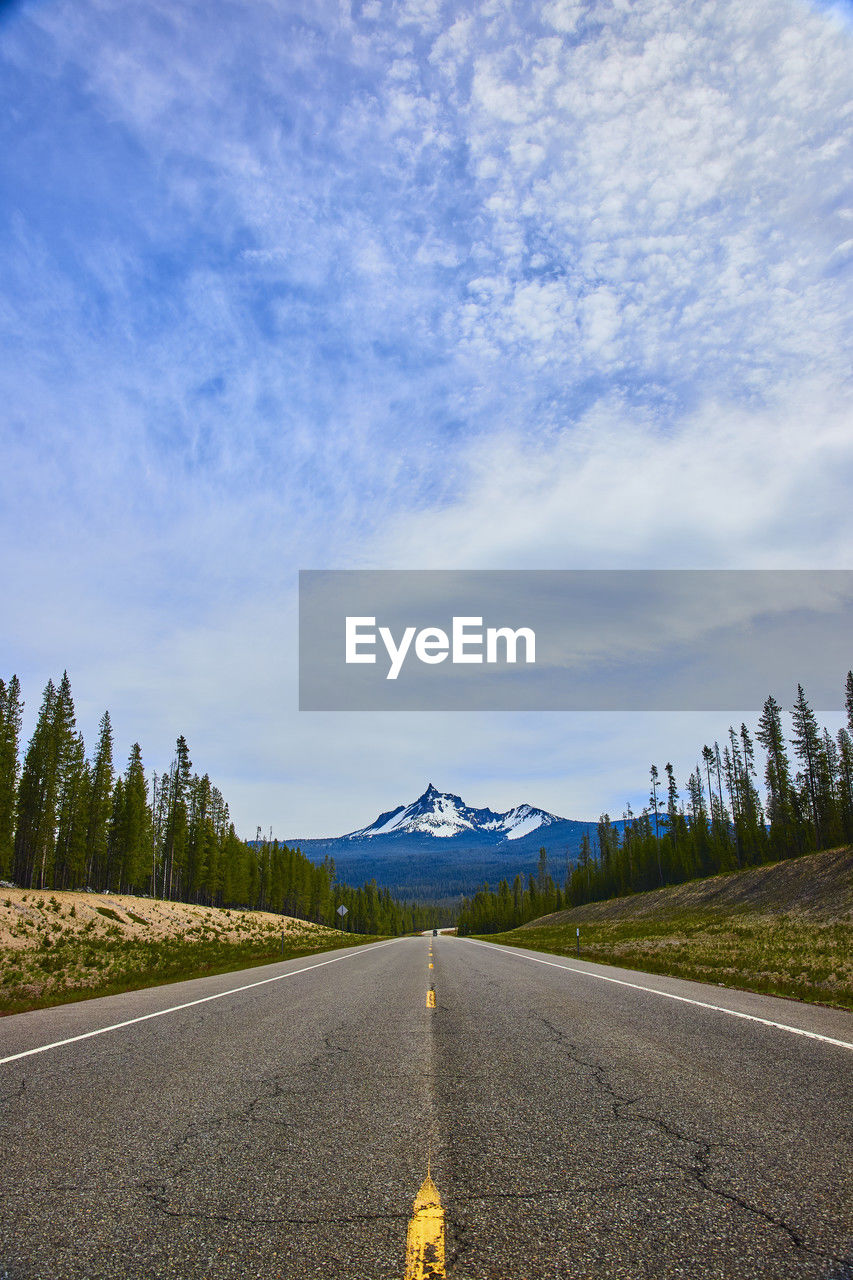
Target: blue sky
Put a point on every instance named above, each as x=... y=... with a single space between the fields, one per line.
x=405 y=285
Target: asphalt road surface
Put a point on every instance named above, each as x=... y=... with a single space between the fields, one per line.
x=578 y=1121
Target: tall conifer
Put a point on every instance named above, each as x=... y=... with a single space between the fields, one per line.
x=100 y=804
x=11 y=710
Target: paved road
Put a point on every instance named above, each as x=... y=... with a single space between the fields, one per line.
x=576 y=1127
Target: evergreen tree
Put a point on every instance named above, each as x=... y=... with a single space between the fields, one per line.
x=777 y=775
x=11 y=711
x=72 y=824
x=672 y=813
x=100 y=805
x=111 y=874
x=44 y=782
x=653 y=801
x=36 y=815
x=136 y=831
x=845 y=776
x=176 y=790
x=807 y=747
x=753 y=832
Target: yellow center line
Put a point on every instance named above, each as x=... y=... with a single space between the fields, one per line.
x=430 y=1004
x=430 y=965
x=425 y=1237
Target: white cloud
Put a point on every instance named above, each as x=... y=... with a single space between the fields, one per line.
x=731 y=488
x=562 y=15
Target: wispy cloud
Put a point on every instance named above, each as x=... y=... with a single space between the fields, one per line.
x=415 y=283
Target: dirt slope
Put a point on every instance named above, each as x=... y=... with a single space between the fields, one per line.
x=57 y=946
x=819 y=885
x=25 y=915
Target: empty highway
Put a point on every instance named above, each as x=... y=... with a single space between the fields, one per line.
x=579 y=1121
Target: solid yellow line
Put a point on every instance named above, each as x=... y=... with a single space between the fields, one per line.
x=430 y=1004
x=430 y=964
x=425 y=1237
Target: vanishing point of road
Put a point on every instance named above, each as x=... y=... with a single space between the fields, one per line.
x=577 y=1121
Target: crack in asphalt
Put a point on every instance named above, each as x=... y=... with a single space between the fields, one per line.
x=700 y=1168
x=628 y=1184
x=275 y=1087
x=20 y=1092
x=460 y=1234
x=333 y=1219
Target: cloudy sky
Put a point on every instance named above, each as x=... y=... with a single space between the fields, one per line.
x=407 y=284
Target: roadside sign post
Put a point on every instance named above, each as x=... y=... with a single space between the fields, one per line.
x=342 y=911
x=579 y=943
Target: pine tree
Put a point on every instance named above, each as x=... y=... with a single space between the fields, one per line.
x=72 y=822
x=829 y=789
x=100 y=805
x=176 y=829
x=653 y=801
x=136 y=850
x=11 y=711
x=699 y=832
x=112 y=869
x=845 y=774
x=777 y=775
x=37 y=792
x=807 y=746
x=672 y=807
x=754 y=834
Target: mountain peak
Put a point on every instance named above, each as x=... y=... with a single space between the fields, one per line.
x=439 y=813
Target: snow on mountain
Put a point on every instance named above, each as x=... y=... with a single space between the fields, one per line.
x=438 y=813
x=521 y=820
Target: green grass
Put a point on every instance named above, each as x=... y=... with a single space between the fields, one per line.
x=110 y=914
x=780 y=954
x=76 y=967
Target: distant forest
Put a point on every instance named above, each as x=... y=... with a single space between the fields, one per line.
x=72 y=822
x=719 y=824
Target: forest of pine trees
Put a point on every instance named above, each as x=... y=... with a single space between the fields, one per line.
x=72 y=822
x=718 y=824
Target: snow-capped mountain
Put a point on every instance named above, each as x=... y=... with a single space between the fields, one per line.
x=438 y=813
x=438 y=847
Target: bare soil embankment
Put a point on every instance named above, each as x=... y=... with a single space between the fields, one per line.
x=57 y=946
x=785 y=929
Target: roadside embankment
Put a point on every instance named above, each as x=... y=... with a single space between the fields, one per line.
x=57 y=946
x=785 y=929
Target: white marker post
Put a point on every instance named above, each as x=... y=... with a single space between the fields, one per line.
x=579 y=942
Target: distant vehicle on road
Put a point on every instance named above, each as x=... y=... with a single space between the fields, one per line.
x=435 y=933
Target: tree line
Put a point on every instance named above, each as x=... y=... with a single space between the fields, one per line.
x=718 y=823
x=69 y=821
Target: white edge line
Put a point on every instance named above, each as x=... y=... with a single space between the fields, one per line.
x=667 y=995
x=159 y=1013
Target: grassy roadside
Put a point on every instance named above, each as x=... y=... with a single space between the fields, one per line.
x=57 y=947
x=784 y=931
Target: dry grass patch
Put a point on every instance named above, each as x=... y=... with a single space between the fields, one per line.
x=785 y=930
x=57 y=946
